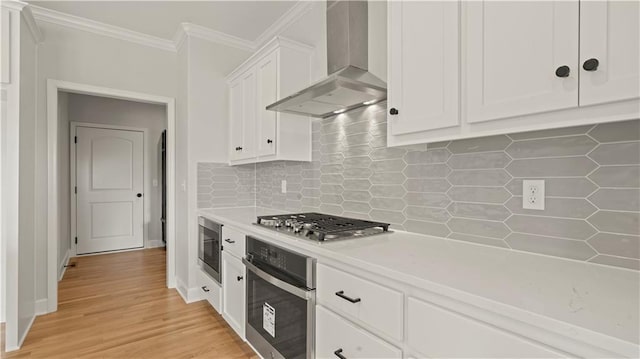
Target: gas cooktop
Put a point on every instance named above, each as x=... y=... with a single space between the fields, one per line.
x=321 y=227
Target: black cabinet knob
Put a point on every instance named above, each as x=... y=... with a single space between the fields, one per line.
x=240 y=278
x=139 y=195
x=393 y=111
x=563 y=71
x=238 y=148
x=269 y=140
x=591 y=65
x=205 y=289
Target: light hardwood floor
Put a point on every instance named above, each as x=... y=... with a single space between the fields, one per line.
x=117 y=306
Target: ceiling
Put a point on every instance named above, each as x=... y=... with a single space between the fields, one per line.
x=243 y=19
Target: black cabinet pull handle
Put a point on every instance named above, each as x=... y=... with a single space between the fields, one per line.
x=352 y=300
x=139 y=195
x=228 y=240
x=563 y=71
x=240 y=278
x=269 y=140
x=338 y=353
x=591 y=65
x=393 y=111
x=205 y=289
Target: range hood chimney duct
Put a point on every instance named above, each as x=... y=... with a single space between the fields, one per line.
x=349 y=84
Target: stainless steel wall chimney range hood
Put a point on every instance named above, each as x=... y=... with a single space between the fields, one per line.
x=349 y=84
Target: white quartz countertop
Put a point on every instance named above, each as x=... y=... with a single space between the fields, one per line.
x=586 y=301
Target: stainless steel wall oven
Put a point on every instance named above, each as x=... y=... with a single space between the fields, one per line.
x=280 y=301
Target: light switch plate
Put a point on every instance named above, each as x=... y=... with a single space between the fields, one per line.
x=283 y=186
x=533 y=194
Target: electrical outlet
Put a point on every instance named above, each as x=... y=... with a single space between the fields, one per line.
x=533 y=194
x=283 y=186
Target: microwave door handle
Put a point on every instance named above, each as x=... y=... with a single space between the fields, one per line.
x=299 y=292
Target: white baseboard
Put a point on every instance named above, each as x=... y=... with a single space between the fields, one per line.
x=42 y=306
x=62 y=265
x=155 y=243
x=182 y=290
x=21 y=340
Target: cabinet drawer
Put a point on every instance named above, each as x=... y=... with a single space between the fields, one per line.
x=335 y=334
x=360 y=299
x=437 y=332
x=210 y=290
x=233 y=241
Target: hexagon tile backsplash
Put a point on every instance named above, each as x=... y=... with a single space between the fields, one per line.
x=469 y=190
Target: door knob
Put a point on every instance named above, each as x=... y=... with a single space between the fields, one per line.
x=563 y=71
x=269 y=140
x=591 y=65
x=139 y=195
x=393 y=111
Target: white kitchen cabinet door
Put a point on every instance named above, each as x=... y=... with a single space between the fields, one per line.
x=423 y=66
x=267 y=76
x=233 y=293
x=609 y=51
x=248 y=148
x=514 y=52
x=235 y=119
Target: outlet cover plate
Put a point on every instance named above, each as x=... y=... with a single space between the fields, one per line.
x=533 y=194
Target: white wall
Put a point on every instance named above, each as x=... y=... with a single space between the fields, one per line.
x=207 y=132
x=64 y=219
x=77 y=56
x=101 y=110
x=18 y=182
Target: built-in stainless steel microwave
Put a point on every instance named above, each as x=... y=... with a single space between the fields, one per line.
x=210 y=247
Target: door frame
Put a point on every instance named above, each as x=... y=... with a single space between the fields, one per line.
x=53 y=88
x=146 y=206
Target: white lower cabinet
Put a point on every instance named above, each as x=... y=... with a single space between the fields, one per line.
x=233 y=294
x=439 y=333
x=338 y=338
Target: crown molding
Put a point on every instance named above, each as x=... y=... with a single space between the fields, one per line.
x=205 y=33
x=184 y=30
x=26 y=13
x=80 y=23
x=292 y=15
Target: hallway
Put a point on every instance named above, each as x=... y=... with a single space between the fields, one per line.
x=117 y=306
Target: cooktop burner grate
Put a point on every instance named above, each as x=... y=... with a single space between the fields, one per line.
x=324 y=224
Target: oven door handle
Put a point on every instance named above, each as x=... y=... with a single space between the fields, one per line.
x=298 y=292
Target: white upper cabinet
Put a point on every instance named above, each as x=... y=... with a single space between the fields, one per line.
x=279 y=69
x=521 y=58
x=462 y=69
x=609 y=51
x=423 y=66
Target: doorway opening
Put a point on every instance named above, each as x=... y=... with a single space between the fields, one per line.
x=111 y=175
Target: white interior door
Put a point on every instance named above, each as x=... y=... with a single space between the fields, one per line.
x=109 y=179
